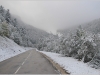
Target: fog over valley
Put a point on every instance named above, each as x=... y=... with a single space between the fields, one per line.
x=50 y=37
x=53 y=15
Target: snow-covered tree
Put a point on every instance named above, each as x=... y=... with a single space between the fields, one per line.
x=2 y=10
x=95 y=62
x=8 y=16
x=4 y=31
x=76 y=43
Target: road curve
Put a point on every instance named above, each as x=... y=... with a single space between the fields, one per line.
x=30 y=62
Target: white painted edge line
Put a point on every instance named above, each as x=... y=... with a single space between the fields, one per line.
x=23 y=63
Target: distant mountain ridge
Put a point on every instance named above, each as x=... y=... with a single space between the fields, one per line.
x=93 y=27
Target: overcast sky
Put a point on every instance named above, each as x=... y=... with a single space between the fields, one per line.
x=51 y=15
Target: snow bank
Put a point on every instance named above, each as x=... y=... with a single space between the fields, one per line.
x=73 y=66
x=8 y=48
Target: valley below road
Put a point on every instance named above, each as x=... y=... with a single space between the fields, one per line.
x=29 y=62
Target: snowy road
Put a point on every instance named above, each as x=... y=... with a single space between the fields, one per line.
x=30 y=62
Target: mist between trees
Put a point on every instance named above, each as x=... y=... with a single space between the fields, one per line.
x=80 y=44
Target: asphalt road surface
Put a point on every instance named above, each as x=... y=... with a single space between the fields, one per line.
x=30 y=62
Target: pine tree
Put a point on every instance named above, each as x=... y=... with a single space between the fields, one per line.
x=8 y=16
x=14 y=22
x=4 y=31
x=76 y=43
x=1 y=10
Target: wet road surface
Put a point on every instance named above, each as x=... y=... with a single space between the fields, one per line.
x=30 y=62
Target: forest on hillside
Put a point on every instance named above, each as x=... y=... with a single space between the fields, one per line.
x=13 y=28
x=82 y=43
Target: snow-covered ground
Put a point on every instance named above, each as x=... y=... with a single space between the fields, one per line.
x=73 y=66
x=8 y=48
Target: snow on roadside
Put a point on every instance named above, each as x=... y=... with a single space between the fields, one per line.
x=9 y=48
x=73 y=66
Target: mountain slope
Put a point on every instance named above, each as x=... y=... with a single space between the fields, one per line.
x=93 y=26
x=23 y=34
x=9 y=48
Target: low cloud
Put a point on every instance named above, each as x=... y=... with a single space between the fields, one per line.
x=53 y=15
